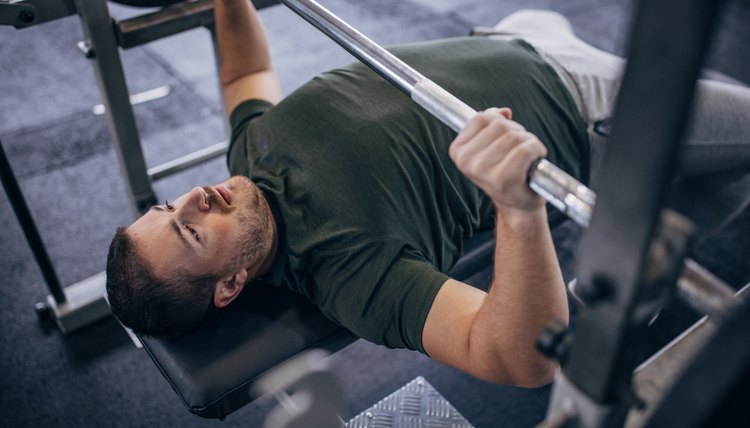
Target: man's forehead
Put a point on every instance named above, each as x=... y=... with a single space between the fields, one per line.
x=148 y=224
x=153 y=240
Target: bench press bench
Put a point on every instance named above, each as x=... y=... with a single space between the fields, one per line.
x=212 y=368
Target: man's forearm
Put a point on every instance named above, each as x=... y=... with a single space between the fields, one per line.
x=243 y=48
x=492 y=335
x=527 y=293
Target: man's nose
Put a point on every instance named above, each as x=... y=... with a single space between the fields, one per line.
x=197 y=200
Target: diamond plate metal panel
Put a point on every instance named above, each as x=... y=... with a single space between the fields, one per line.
x=415 y=405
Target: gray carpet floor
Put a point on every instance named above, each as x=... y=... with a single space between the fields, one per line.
x=62 y=155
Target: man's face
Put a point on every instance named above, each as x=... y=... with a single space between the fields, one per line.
x=209 y=230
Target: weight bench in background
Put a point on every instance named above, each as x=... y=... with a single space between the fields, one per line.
x=212 y=368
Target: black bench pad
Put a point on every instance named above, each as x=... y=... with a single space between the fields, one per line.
x=212 y=368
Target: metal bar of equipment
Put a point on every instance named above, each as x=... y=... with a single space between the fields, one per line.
x=199 y=156
x=165 y=22
x=102 y=49
x=29 y=228
x=552 y=183
x=26 y=13
x=657 y=375
x=74 y=306
x=617 y=254
x=704 y=292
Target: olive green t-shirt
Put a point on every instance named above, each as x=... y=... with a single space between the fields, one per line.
x=371 y=209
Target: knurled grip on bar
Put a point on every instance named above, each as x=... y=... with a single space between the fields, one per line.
x=552 y=183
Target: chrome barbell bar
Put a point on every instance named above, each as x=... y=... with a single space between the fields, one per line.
x=552 y=183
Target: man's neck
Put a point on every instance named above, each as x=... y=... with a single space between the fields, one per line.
x=265 y=265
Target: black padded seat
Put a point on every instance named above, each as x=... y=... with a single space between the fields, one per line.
x=212 y=368
x=148 y=3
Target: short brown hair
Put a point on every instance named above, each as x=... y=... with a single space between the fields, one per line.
x=151 y=306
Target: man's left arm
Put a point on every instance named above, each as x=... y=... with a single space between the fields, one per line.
x=245 y=70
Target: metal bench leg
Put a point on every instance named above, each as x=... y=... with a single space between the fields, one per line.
x=101 y=47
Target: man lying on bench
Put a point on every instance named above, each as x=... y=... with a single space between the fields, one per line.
x=350 y=194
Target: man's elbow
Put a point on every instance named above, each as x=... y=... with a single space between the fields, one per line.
x=525 y=374
x=537 y=376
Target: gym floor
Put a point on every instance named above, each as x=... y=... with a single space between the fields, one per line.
x=61 y=153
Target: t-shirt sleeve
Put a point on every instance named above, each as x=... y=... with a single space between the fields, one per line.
x=239 y=120
x=379 y=292
x=247 y=111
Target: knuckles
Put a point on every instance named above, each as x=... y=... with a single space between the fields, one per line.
x=526 y=150
x=464 y=162
x=499 y=126
x=513 y=136
x=533 y=148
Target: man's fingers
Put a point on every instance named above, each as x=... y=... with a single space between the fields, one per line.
x=496 y=153
x=479 y=121
x=487 y=149
x=520 y=158
x=472 y=127
x=506 y=112
x=494 y=140
x=480 y=133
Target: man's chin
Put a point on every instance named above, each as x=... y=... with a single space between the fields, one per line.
x=238 y=182
x=244 y=192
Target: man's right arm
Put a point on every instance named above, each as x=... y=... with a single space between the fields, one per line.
x=245 y=70
x=491 y=335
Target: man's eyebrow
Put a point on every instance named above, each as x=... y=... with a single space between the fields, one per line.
x=176 y=227
x=178 y=231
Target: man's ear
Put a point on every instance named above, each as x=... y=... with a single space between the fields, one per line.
x=228 y=288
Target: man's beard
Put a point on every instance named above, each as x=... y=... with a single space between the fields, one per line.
x=253 y=243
